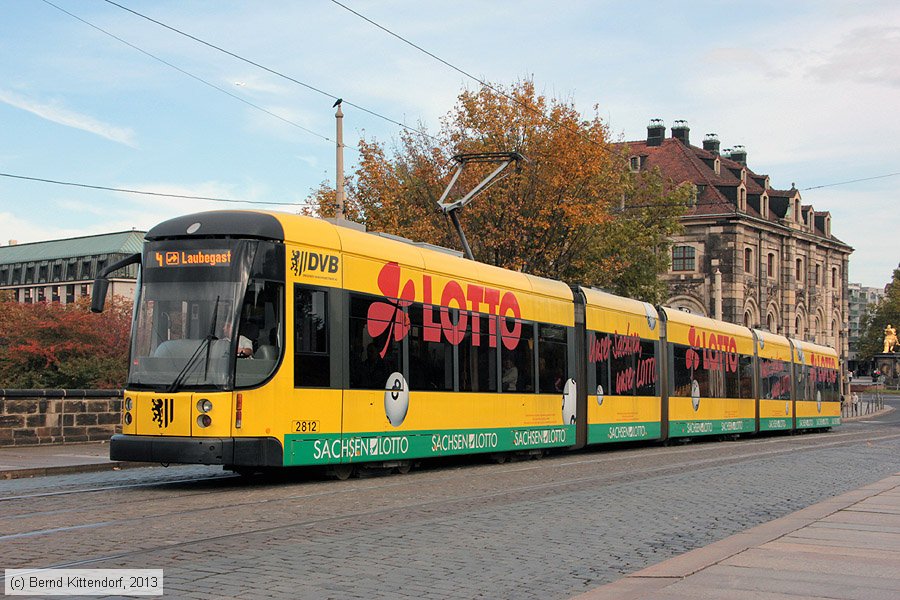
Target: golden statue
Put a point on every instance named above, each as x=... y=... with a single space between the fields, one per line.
x=890 y=339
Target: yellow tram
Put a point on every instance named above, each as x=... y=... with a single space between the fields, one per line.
x=265 y=339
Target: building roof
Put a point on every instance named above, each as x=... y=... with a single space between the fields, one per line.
x=718 y=192
x=123 y=242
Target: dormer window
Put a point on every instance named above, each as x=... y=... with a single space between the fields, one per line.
x=717 y=166
x=764 y=206
x=743 y=175
x=797 y=211
x=635 y=164
x=742 y=199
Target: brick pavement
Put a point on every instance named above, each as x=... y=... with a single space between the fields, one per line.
x=546 y=544
x=847 y=547
x=444 y=534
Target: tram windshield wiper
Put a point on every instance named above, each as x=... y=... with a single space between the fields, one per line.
x=206 y=343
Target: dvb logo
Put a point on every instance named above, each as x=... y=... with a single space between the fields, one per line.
x=303 y=262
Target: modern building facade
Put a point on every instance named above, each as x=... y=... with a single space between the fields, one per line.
x=750 y=253
x=860 y=299
x=64 y=270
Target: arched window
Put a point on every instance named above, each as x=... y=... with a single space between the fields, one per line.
x=748 y=261
x=770 y=322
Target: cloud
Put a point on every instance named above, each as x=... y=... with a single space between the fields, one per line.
x=59 y=114
x=864 y=55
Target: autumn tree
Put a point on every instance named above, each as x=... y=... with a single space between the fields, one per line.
x=52 y=345
x=559 y=214
x=877 y=317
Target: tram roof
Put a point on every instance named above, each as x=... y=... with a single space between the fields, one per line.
x=680 y=317
x=810 y=348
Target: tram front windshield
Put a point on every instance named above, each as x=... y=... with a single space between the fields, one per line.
x=197 y=301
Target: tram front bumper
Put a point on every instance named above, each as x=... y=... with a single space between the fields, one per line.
x=250 y=452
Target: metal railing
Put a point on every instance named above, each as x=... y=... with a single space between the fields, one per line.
x=869 y=403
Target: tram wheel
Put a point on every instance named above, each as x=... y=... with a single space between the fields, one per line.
x=341 y=472
x=403 y=468
x=499 y=458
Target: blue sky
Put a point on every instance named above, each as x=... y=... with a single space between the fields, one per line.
x=809 y=88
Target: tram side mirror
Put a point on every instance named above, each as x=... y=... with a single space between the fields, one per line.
x=98 y=295
x=101 y=283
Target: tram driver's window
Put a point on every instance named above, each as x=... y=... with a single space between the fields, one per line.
x=312 y=362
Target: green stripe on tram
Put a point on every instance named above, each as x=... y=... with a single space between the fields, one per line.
x=312 y=449
x=776 y=424
x=599 y=433
x=816 y=422
x=711 y=427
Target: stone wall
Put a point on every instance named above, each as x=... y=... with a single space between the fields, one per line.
x=31 y=417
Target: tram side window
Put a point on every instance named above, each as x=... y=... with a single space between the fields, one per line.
x=375 y=352
x=552 y=354
x=598 y=348
x=477 y=359
x=801 y=376
x=737 y=383
x=517 y=362
x=827 y=385
x=775 y=379
x=312 y=362
x=687 y=368
x=430 y=355
x=621 y=371
x=647 y=375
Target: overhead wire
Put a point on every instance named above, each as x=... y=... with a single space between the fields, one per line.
x=474 y=78
x=148 y=193
x=817 y=187
x=191 y=75
x=270 y=70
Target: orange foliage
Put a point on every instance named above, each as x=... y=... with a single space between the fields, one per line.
x=52 y=345
x=548 y=217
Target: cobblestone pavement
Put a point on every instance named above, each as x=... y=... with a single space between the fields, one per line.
x=537 y=529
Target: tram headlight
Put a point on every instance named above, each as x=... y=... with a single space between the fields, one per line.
x=128 y=404
x=204 y=420
x=204 y=405
x=128 y=418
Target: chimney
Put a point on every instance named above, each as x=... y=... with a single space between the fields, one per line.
x=739 y=154
x=13 y=242
x=656 y=132
x=681 y=132
x=711 y=143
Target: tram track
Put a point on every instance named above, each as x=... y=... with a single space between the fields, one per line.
x=622 y=476
x=621 y=455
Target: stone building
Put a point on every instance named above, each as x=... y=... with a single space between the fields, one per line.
x=64 y=270
x=750 y=253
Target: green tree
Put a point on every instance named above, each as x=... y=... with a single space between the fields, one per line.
x=879 y=316
x=52 y=345
x=558 y=215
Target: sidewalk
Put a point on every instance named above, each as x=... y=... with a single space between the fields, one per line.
x=34 y=461
x=847 y=547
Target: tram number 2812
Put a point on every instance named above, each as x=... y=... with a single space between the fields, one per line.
x=306 y=426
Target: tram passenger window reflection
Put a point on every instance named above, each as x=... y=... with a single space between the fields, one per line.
x=510 y=375
x=521 y=355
